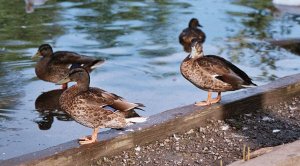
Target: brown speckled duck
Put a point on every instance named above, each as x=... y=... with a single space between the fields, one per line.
x=53 y=67
x=191 y=32
x=93 y=107
x=212 y=73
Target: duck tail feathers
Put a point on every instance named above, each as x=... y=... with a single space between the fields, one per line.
x=126 y=106
x=97 y=63
x=136 y=120
x=139 y=105
x=251 y=85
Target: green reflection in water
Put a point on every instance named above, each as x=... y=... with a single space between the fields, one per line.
x=108 y=22
x=258 y=22
x=257 y=26
x=19 y=30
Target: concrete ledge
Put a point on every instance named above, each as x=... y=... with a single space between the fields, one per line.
x=162 y=125
x=283 y=155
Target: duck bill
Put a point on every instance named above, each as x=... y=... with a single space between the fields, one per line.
x=199 y=25
x=36 y=56
x=63 y=81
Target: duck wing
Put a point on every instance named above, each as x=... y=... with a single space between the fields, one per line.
x=185 y=39
x=101 y=116
x=183 y=36
x=66 y=57
x=224 y=70
x=103 y=99
x=199 y=34
x=95 y=97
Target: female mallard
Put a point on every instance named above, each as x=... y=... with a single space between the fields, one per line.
x=93 y=107
x=192 y=32
x=212 y=73
x=53 y=67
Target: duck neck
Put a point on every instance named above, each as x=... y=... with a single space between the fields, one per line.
x=83 y=84
x=196 y=54
x=41 y=68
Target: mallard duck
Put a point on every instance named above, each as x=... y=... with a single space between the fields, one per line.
x=53 y=67
x=212 y=73
x=191 y=32
x=93 y=107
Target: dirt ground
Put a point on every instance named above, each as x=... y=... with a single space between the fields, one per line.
x=220 y=140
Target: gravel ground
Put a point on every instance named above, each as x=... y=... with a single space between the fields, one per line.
x=219 y=140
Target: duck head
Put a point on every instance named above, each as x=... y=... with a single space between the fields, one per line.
x=194 y=23
x=78 y=75
x=44 y=50
x=197 y=49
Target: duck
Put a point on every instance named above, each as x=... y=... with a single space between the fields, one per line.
x=191 y=32
x=93 y=107
x=54 y=66
x=212 y=73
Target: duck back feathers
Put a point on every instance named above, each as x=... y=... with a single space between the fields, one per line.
x=72 y=58
x=224 y=69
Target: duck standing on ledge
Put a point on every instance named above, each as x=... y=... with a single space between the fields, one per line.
x=53 y=67
x=212 y=73
x=94 y=107
x=191 y=32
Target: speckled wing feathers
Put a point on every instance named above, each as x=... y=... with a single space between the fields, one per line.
x=96 y=116
x=224 y=70
x=182 y=37
x=212 y=66
x=89 y=108
x=97 y=97
x=102 y=98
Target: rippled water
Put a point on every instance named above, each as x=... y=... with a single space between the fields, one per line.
x=139 y=39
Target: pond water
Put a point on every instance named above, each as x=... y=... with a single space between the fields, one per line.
x=139 y=40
